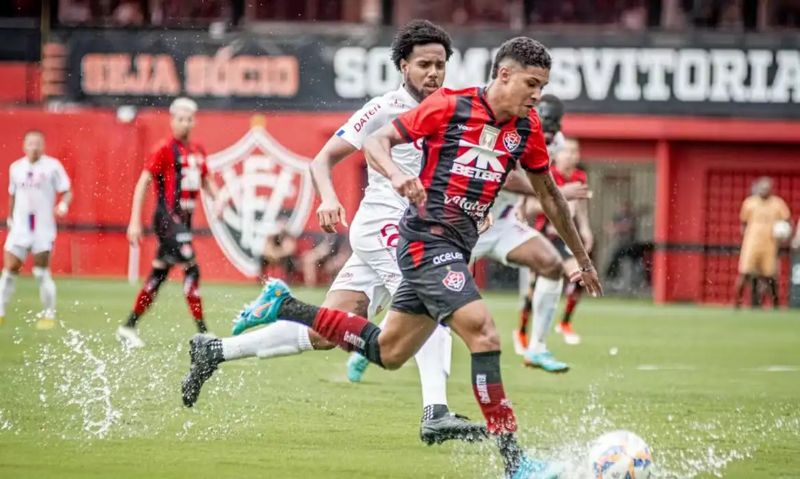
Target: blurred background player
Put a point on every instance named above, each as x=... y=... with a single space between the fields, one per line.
x=327 y=257
x=565 y=171
x=758 y=259
x=179 y=169
x=279 y=249
x=371 y=276
x=39 y=190
x=551 y=111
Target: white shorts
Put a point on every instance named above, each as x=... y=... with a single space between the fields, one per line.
x=20 y=244
x=372 y=268
x=504 y=236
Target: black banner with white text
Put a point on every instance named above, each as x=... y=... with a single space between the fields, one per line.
x=661 y=74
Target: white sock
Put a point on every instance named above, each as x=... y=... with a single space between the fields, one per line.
x=546 y=295
x=6 y=289
x=433 y=362
x=282 y=338
x=47 y=290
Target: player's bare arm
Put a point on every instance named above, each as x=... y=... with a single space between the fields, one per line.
x=139 y=192
x=378 y=152
x=330 y=211
x=557 y=209
x=62 y=206
x=584 y=228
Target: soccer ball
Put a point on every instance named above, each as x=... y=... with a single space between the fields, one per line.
x=620 y=455
x=781 y=230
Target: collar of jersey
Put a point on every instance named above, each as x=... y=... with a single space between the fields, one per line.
x=406 y=95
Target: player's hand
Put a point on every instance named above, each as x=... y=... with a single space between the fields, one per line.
x=330 y=214
x=486 y=223
x=410 y=187
x=575 y=191
x=134 y=233
x=588 y=278
x=61 y=209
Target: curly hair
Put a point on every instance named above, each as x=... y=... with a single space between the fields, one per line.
x=418 y=32
x=524 y=50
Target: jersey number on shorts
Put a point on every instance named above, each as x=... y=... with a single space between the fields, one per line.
x=390 y=235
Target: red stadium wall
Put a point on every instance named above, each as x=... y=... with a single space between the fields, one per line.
x=703 y=170
x=104 y=158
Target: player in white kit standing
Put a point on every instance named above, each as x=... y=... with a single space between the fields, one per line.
x=371 y=276
x=39 y=190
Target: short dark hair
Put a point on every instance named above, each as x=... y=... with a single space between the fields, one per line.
x=524 y=50
x=418 y=32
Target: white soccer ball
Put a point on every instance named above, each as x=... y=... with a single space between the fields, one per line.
x=781 y=230
x=620 y=455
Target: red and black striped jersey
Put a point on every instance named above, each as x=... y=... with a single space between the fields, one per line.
x=467 y=155
x=577 y=176
x=178 y=171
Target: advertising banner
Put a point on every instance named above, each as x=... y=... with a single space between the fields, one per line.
x=655 y=74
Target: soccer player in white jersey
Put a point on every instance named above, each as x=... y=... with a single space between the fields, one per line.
x=369 y=279
x=39 y=190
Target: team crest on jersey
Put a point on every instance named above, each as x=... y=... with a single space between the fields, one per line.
x=454 y=281
x=267 y=185
x=511 y=140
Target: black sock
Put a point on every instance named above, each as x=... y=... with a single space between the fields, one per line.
x=201 y=326
x=132 y=320
x=434 y=411
x=510 y=452
x=298 y=311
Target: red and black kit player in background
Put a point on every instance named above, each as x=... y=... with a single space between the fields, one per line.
x=178 y=170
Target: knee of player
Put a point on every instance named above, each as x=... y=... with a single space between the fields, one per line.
x=484 y=337
x=392 y=359
x=552 y=269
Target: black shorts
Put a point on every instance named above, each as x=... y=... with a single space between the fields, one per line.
x=562 y=248
x=436 y=279
x=174 y=243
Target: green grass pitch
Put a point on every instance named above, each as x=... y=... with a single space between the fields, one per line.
x=716 y=393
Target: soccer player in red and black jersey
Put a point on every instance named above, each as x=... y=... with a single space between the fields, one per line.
x=473 y=138
x=179 y=171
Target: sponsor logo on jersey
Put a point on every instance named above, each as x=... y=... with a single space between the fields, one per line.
x=480 y=161
x=474 y=208
x=448 y=257
x=358 y=125
x=511 y=140
x=454 y=281
x=262 y=179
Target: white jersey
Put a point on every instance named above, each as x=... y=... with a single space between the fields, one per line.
x=380 y=199
x=34 y=187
